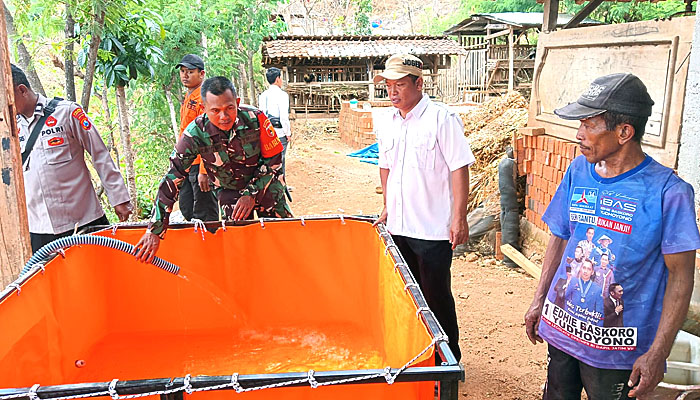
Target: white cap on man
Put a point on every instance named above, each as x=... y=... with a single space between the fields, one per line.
x=400 y=65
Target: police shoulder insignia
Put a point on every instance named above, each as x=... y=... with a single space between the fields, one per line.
x=79 y=114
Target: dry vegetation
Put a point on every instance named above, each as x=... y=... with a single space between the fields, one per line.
x=490 y=129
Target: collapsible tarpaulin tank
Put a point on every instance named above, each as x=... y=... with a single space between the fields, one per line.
x=309 y=308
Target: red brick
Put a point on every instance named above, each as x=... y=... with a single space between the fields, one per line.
x=530 y=178
x=547 y=173
x=547 y=159
x=537 y=168
x=540 y=142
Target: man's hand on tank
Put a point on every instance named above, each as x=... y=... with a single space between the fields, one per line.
x=203 y=180
x=243 y=208
x=147 y=247
x=381 y=219
x=123 y=210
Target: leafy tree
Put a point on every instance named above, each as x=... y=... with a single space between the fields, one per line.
x=129 y=50
x=489 y=6
x=615 y=12
x=24 y=58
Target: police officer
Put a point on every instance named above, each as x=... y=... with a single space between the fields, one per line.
x=242 y=155
x=57 y=184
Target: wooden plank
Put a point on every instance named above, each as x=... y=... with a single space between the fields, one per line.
x=568 y=60
x=551 y=15
x=511 y=58
x=15 y=248
x=497 y=34
x=581 y=15
x=522 y=261
x=531 y=131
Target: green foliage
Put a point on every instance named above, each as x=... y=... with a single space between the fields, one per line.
x=489 y=6
x=364 y=9
x=130 y=48
x=615 y=12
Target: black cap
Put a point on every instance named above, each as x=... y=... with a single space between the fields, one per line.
x=191 y=61
x=621 y=93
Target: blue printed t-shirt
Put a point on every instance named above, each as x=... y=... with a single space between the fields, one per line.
x=636 y=217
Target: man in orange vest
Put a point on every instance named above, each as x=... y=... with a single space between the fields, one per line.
x=196 y=198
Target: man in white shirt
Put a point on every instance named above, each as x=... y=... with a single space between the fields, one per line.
x=274 y=102
x=57 y=184
x=423 y=165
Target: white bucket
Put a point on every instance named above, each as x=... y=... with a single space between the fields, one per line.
x=683 y=364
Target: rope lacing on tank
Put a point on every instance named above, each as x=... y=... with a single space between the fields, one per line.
x=188 y=388
x=199 y=224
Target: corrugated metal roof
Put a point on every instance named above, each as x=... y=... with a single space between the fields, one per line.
x=476 y=24
x=357 y=46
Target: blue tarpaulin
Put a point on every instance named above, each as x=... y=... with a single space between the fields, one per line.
x=369 y=154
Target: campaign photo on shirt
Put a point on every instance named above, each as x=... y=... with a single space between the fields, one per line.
x=605 y=300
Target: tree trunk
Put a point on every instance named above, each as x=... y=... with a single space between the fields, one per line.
x=251 y=79
x=110 y=128
x=24 y=59
x=95 y=39
x=14 y=240
x=237 y=83
x=70 y=34
x=243 y=90
x=171 y=107
x=126 y=149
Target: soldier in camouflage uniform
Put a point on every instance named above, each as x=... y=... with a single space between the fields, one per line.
x=241 y=153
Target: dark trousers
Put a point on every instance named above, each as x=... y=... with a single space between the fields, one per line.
x=430 y=262
x=284 y=140
x=566 y=376
x=197 y=204
x=41 y=239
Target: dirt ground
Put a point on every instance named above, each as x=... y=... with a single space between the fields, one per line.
x=491 y=298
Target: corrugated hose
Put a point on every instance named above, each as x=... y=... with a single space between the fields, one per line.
x=44 y=254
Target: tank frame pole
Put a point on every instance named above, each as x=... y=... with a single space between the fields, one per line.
x=15 y=248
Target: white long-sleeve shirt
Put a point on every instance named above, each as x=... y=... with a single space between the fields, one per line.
x=57 y=182
x=274 y=102
x=420 y=151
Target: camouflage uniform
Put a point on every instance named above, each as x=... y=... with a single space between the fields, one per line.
x=244 y=161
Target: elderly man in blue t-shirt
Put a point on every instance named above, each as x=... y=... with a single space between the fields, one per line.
x=646 y=215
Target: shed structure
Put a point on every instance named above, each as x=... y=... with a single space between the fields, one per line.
x=500 y=52
x=321 y=71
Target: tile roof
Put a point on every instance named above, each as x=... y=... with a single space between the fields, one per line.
x=357 y=46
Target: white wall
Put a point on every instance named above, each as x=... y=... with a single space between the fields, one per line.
x=688 y=155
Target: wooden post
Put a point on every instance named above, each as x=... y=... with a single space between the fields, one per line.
x=551 y=15
x=370 y=75
x=585 y=12
x=511 y=59
x=15 y=248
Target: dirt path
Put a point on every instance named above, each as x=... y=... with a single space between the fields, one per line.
x=491 y=298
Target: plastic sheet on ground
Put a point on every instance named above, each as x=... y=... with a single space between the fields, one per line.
x=369 y=154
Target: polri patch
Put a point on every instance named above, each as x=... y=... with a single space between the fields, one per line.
x=79 y=114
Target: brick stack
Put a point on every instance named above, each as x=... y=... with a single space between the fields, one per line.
x=544 y=159
x=355 y=124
